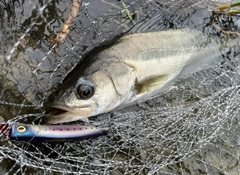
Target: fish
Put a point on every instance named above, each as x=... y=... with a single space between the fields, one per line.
x=50 y=133
x=135 y=68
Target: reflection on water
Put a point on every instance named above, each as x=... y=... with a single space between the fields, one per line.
x=167 y=134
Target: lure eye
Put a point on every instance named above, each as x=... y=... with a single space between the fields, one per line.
x=85 y=91
x=21 y=129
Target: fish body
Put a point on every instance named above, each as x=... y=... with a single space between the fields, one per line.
x=50 y=133
x=136 y=68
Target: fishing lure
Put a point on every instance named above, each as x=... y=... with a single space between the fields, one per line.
x=50 y=133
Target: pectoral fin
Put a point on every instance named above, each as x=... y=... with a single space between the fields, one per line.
x=151 y=84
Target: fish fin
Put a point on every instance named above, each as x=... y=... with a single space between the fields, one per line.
x=150 y=84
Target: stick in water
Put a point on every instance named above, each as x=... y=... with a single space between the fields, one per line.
x=64 y=32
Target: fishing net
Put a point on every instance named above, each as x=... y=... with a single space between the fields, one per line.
x=190 y=128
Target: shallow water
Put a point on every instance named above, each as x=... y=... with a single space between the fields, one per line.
x=192 y=128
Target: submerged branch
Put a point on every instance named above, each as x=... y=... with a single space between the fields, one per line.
x=227 y=7
x=64 y=32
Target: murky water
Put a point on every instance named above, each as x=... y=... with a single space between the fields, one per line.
x=32 y=67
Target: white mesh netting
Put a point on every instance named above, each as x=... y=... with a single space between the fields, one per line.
x=191 y=128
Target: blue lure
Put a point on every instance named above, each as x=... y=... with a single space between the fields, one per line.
x=50 y=133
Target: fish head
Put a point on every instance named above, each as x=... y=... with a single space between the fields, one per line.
x=96 y=93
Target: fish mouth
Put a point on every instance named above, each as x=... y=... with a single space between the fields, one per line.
x=63 y=114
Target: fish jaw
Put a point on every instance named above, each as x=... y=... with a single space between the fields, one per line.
x=71 y=114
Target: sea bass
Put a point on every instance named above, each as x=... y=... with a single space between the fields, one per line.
x=135 y=68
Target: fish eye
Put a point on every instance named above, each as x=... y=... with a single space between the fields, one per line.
x=85 y=91
x=21 y=129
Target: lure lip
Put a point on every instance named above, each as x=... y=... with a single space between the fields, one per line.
x=6 y=130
